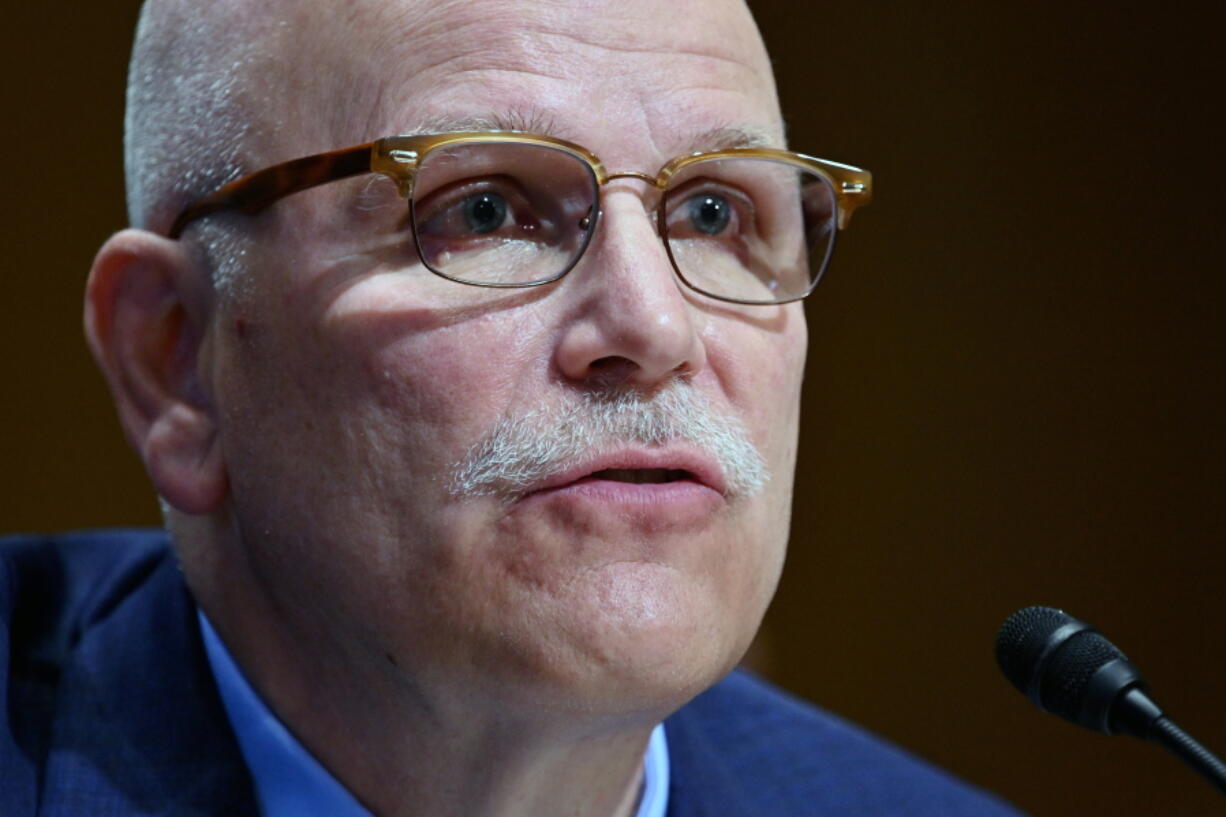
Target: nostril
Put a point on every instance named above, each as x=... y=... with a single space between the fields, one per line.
x=612 y=370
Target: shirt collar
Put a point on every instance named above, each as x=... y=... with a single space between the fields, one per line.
x=290 y=782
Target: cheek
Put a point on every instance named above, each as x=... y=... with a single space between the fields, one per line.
x=760 y=370
x=442 y=389
x=376 y=392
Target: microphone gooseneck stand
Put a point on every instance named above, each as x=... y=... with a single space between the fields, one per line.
x=1065 y=667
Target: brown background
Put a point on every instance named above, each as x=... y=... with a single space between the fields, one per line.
x=1016 y=375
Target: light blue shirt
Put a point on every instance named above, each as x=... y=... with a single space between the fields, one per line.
x=290 y=782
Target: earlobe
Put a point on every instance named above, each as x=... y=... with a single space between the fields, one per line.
x=146 y=319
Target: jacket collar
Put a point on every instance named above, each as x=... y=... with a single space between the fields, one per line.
x=139 y=726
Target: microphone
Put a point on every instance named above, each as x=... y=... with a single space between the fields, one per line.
x=1065 y=667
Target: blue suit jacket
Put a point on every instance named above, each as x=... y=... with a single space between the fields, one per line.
x=111 y=709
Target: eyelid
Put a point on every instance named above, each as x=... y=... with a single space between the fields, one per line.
x=520 y=205
x=456 y=191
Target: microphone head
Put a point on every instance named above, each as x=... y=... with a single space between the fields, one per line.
x=1064 y=666
x=1022 y=641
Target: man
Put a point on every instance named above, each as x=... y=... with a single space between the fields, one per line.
x=470 y=495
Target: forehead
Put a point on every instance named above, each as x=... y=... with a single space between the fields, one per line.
x=632 y=80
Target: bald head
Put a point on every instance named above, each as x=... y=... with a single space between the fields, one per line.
x=224 y=88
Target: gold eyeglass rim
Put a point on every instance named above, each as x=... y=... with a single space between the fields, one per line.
x=398 y=157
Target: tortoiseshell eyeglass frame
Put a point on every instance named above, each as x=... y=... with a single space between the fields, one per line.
x=398 y=158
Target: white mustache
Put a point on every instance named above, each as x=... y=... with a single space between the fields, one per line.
x=523 y=450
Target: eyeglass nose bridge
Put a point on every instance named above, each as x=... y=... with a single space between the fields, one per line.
x=654 y=181
x=658 y=182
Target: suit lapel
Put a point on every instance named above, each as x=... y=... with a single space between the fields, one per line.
x=701 y=783
x=139 y=727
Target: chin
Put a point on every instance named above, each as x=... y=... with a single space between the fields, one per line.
x=640 y=641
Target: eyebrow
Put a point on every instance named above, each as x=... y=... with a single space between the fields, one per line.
x=525 y=121
x=727 y=137
x=723 y=137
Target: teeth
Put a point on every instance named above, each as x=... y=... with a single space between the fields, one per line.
x=640 y=476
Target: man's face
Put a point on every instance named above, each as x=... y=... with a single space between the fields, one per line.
x=351 y=384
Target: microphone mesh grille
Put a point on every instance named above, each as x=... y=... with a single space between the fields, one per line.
x=1021 y=639
x=1070 y=669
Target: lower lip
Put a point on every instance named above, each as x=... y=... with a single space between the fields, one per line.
x=679 y=502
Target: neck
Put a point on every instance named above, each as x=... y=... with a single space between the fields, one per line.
x=405 y=745
x=411 y=759
x=495 y=774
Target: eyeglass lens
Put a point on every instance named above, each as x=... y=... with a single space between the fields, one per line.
x=511 y=214
x=752 y=230
x=502 y=214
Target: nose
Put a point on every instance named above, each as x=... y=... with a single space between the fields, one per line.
x=628 y=321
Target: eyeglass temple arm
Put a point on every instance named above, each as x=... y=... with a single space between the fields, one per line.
x=252 y=194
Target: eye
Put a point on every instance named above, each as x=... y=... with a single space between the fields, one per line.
x=705 y=209
x=709 y=213
x=480 y=209
x=485 y=212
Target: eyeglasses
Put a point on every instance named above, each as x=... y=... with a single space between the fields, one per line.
x=513 y=209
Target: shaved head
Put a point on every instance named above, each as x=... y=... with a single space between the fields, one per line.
x=188 y=100
x=211 y=89
x=188 y=127
x=220 y=89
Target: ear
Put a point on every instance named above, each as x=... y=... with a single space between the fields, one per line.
x=146 y=317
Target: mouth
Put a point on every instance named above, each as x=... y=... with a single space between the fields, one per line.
x=645 y=472
x=642 y=476
x=657 y=489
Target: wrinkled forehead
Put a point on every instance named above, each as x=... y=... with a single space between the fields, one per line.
x=630 y=79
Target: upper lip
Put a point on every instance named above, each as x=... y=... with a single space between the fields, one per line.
x=701 y=467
